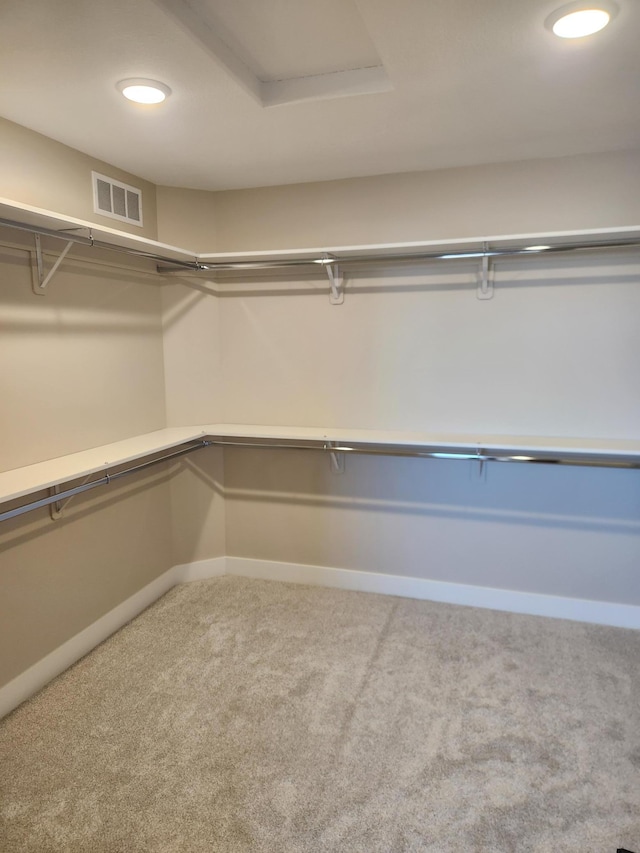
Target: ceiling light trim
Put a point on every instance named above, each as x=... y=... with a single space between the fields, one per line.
x=146 y=89
x=609 y=7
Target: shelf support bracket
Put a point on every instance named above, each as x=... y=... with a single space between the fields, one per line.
x=482 y=467
x=42 y=279
x=57 y=509
x=336 y=458
x=485 y=284
x=336 y=279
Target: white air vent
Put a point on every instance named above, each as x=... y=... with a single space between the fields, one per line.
x=116 y=200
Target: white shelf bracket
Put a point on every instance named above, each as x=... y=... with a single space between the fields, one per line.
x=42 y=279
x=57 y=509
x=336 y=459
x=485 y=283
x=336 y=279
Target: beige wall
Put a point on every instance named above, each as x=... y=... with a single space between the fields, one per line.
x=187 y=218
x=58 y=577
x=80 y=367
x=198 y=508
x=413 y=348
x=192 y=354
x=38 y=171
x=588 y=191
x=108 y=353
x=570 y=532
x=555 y=352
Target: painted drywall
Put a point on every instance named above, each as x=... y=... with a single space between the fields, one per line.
x=106 y=354
x=571 y=532
x=44 y=173
x=544 y=357
x=198 y=507
x=554 y=353
x=587 y=191
x=80 y=366
x=193 y=384
x=192 y=353
x=187 y=218
x=59 y=577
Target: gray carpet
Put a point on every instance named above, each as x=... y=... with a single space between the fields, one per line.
x=238 y=715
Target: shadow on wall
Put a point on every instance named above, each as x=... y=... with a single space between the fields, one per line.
x=520 y=493
x=554 y=530
x=579 y=270
x=38 y=524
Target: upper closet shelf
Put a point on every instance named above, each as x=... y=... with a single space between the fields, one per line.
x=173 y=258
x=612 y=453
x=14 y=214
x=469 y=247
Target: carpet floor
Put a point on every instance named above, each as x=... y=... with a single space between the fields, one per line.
x=238 y=715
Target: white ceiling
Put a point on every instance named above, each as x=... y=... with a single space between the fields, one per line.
x=362 y=87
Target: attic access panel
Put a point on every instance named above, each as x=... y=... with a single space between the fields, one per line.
x=286 y=51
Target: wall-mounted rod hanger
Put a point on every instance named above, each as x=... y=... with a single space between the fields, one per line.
x=43 y=278
x=476 y=454
x=479 y=254
x=107 y=478
x=89 y=240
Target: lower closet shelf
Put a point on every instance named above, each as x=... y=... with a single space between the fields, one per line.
x=107 y=461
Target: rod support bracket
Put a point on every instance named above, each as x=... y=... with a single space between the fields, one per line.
x=40 y=278
x=56 y=510
x=336 y=458
x=485 y=278
x=336 y=279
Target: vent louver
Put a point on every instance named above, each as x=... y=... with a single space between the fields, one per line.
x=117 y=200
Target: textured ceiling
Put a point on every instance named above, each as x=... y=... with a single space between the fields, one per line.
x=455 y=82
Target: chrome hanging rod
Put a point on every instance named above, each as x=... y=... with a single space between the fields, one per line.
x=101 y=481
x=89 y=240
x=166 y=265
x=474 y=454
x=507 y=252
x=470 y=453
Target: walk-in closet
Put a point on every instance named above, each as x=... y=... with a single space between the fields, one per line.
x=319 y=421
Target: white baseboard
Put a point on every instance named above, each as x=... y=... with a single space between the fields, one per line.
x=534 y=604
x=42 y=672
x=581 y=610
x=201 y=570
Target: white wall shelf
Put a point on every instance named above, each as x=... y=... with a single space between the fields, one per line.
x=55 y=473
x=175 y=259
x=50 y=474
x=20 y=482
x=472 y=247
x=14 y=214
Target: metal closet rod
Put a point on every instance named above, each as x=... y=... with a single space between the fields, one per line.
x=477 y=455
x=329 y=260
x=102 y=481
x=172 y=265
x=70 y=237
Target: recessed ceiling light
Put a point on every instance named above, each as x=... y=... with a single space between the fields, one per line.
x=144 y=91
x=580 y=19
x=536 y=248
